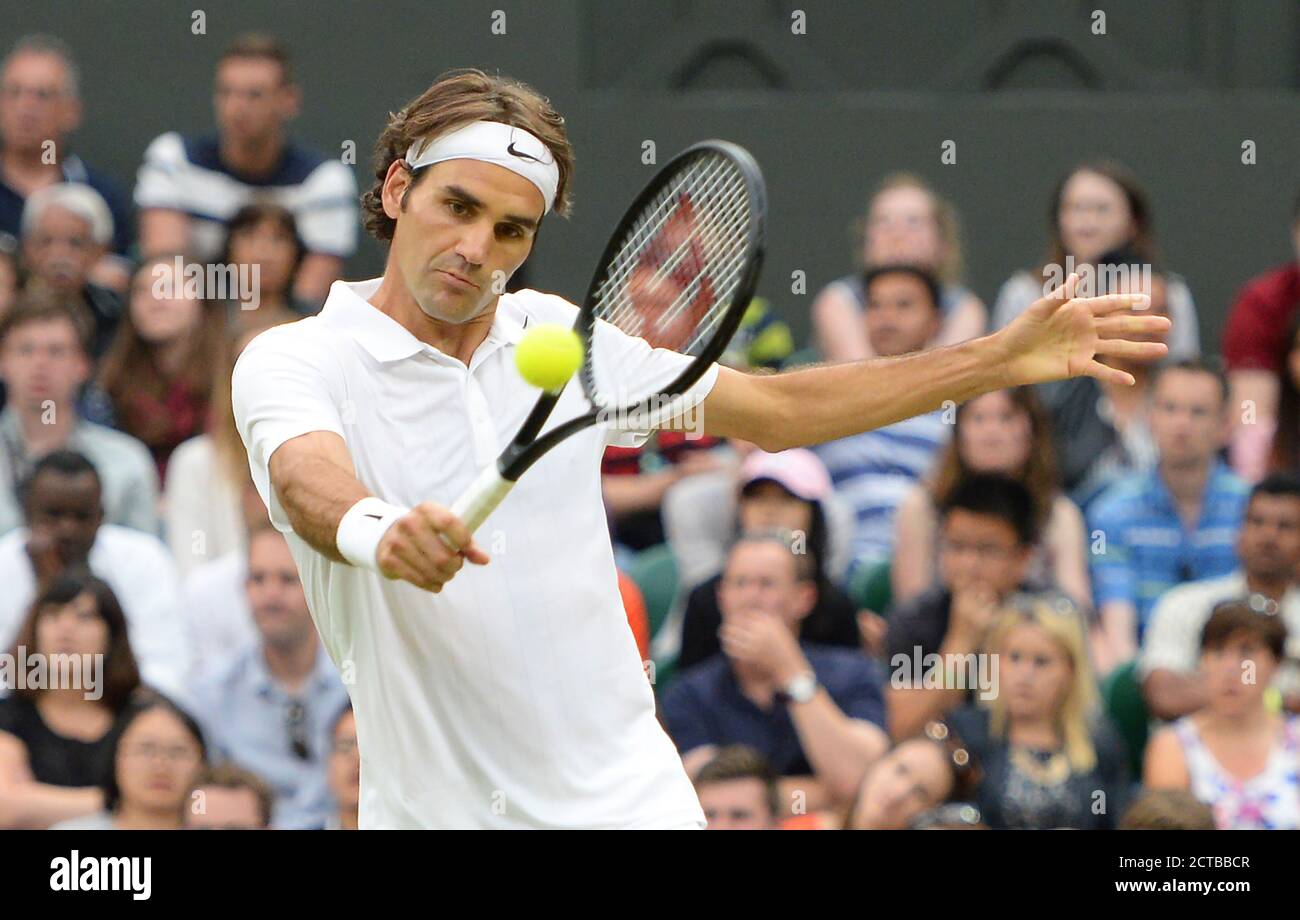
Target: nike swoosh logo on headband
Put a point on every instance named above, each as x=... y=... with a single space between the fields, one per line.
x=510 y=149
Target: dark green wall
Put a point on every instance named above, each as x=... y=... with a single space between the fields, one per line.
x=1024 y=88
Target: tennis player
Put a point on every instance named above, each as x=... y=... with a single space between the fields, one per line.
x=509 y=692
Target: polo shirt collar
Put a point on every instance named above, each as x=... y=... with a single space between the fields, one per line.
x=509 y=322
x=265 y=685
x=348 y=308
x=11 y=430
x=1159 y=489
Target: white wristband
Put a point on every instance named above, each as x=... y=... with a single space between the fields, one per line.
x=361 y=529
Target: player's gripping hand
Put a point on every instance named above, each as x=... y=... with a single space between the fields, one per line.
x=427 y=547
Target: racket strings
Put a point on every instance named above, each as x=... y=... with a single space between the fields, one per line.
x=672 y=279
x=696 y=267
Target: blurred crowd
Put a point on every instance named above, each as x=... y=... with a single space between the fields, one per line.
x=1066 y=606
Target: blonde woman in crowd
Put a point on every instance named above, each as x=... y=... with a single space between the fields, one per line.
x=1049 y=758
x=906 y=223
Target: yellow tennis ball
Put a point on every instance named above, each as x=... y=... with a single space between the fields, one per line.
x=548 y=355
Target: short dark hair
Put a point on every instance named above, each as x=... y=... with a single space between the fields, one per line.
x=1284 y=484
x=233 y=776
x=1202 y=365
x=258 y=212
x=1248 y=615
x=63 y=462
x=48 y=45
x=43 y=308
x=144 y=703
x=739 y=761
x=121 y=674
x=924 y=275
x=260 y=45
x=995 y=495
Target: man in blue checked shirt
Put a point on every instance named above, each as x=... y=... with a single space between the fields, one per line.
x=1175 y=523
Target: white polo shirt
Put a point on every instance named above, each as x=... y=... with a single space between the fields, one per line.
x=515 y=697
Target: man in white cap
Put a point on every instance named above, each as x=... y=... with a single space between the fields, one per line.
x=512 y=694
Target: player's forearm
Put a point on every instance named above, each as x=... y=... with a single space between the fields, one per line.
x=315 y=493
x=838 y=748
x=817 y=404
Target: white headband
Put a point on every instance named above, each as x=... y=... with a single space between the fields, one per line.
x=493 y=142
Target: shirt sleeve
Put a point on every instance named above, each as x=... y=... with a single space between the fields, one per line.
x=1113 y=578
x=637 y=371
x=1185 y=337
x=138 y=501
x=281 y=389
x=158 y=179
x=123 y=220
x=861 y=696
x=686 y=718
x=327 y=215
x=1250 y=340
x=157 y=629
x=903 y=633
x=1171 y=639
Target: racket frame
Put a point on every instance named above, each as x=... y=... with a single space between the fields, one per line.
x=528 y=447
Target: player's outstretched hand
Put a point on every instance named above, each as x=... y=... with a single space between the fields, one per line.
x=1063 y=336
x=421 y=547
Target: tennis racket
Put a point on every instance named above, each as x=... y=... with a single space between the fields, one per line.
x=678 y=272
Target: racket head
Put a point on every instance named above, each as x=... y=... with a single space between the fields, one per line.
x=680 y=268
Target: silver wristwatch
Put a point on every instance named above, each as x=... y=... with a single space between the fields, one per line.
x=801 y=689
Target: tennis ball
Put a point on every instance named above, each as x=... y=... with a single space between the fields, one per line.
x=548 y=355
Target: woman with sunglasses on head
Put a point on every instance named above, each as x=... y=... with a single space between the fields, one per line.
x=1237 y=754
x=150 y=766
x=1048 y=756
x=53 y=738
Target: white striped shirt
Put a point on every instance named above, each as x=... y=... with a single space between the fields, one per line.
x=188 y=175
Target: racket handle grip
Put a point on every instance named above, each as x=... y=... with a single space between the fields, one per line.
x=482 y=496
